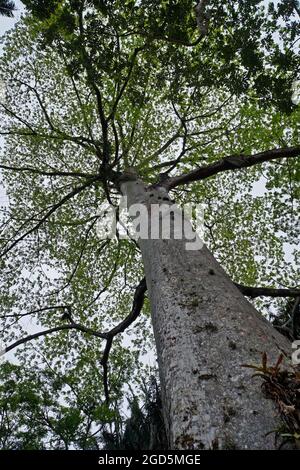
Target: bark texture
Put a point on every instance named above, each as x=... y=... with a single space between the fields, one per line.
x=205 y=330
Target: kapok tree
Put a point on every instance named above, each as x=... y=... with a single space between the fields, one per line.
x=198 y=102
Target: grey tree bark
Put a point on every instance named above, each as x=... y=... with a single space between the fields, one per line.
x=205 y=330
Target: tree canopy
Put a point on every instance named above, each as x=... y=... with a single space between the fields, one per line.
x=199 y=98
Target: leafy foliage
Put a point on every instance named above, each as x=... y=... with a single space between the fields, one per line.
x=40 y=409
x=93 y=87
x=43 y=410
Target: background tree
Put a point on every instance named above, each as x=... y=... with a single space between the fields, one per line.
x=183 y=96
x=41 y=409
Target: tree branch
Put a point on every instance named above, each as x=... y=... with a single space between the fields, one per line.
x=77 y=264
x=75 y=174
x=60 y=135
x=232 y=162
x=267 y=291
x=56 y=206
x=202 y=17
x=43 y=309
x=125 y=83
x=71 y=326
x=162 y=149
x=296 y=7
x=138 y=302
x=90 y=74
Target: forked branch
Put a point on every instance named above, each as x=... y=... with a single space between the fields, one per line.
x=138 y=302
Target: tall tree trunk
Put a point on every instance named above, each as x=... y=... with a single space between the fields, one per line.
x=205 y=330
